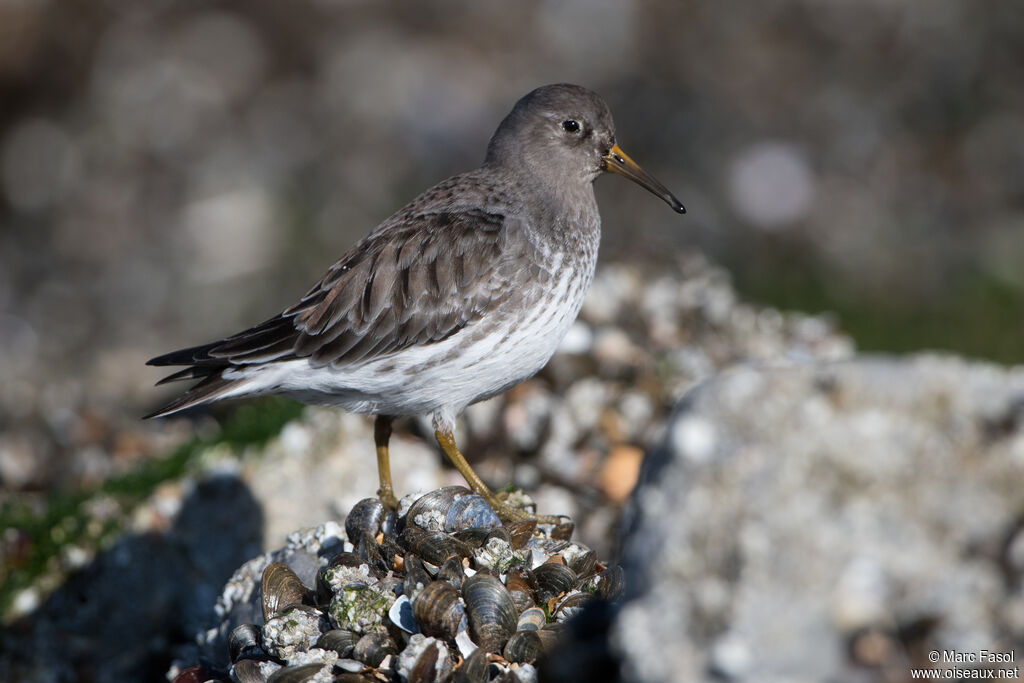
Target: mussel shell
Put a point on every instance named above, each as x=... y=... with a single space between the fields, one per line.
x=522 y=586
x=199 y=673
x=430 y=510
x=296 y=674
x=572 y=604
x=499 y=532
x=389 y=549
x=474 y=537
x=471 y=512
x=524 y=647
x=438 y=611
x=522 y=601
x=340 y=640
x=432 y=546
x=424 y=670
x=508 y=676
x=248 y=671
x=349 y=665
x=492 y=614
x=416 y=576
x=521 y=532
x=553 y=579
x=563 y=531
x=611 y=582
x=355 y=678
x=546 y=547
x=452 y=571
x=373 y=647
x=400 y=615
x=366 y=517
x=497 y=556
x=584 y=565
x=474 y=669
x=279 y=588
x=345 y=559
x=532 y=619
x=370 y=553
x=244 y=641
x=452 y=508
x=549 y=636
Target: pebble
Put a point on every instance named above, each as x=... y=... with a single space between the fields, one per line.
x=620 y=472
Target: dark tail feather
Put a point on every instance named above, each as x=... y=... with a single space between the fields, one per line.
x=187 y=356
x=210 y=389
x=271 y=340
x=194 y=372
x=275 y=332
x=274 y=337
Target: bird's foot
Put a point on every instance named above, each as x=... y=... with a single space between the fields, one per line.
x=505 y=502
x=388 y=499
x=504 y=505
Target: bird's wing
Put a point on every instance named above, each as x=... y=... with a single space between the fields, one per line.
x=420 y=280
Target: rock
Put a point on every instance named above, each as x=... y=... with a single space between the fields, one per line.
x=801 y=522
x=620 y=472
x=115 y=619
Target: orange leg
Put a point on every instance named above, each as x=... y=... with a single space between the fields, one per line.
x=505 y=511
x=381 y=436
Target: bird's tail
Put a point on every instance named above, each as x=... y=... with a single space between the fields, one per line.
x=270 y=340
x=212 y=388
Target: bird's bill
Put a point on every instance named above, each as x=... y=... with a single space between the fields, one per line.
x=617 y=161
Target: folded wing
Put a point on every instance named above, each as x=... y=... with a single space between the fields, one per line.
x=416 y=282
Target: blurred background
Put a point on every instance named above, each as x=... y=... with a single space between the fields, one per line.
x=173 y=171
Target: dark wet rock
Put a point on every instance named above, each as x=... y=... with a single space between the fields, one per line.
x=124 y=616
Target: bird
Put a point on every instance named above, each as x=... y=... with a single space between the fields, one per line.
x=463 y=293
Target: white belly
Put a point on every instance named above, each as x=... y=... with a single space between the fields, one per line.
x=444 y=377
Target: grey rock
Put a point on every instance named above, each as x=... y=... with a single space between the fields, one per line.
x=794 y=512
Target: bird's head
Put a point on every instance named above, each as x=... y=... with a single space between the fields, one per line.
x=565 y=131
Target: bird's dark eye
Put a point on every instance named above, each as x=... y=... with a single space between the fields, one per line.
x=571 y=126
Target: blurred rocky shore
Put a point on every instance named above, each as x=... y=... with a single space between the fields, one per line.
x=172 y=172
x=573 y=437
x=802 y=512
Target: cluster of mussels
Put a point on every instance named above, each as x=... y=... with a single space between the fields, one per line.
x=438 y=591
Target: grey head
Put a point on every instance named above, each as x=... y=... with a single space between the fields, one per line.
x=564 y=133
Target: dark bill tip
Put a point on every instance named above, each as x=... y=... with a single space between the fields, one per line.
x=617 y=161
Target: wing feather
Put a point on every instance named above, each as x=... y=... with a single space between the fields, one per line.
x=418 y=292
x=417 y=281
